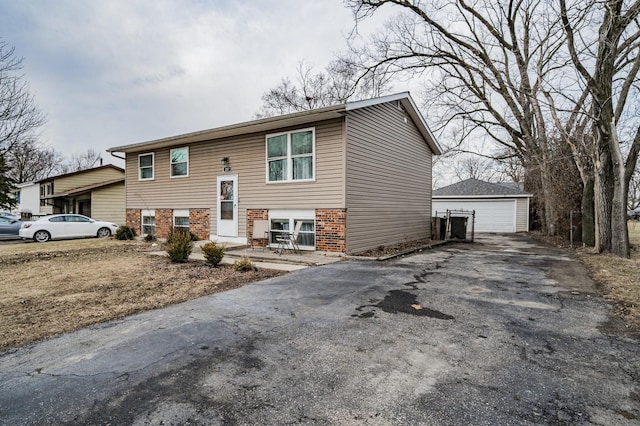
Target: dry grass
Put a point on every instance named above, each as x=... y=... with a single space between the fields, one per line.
x=620 y=278
x=57 y=287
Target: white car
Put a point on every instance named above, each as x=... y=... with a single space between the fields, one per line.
x=60 y=226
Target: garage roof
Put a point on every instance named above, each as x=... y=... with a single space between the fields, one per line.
x=480 y=189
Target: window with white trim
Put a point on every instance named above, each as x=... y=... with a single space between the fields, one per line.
x=181 y=220
x=149 y=222
x=179 y=162
x=145 y=166
x=291 y=156
x=282 y=221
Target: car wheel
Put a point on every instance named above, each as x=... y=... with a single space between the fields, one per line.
x=41 y=236
x=104 y=232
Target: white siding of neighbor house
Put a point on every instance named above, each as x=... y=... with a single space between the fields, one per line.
x=388 y=178
x=522 y=214
x=29 y=199
x=108 y=204
x=85 y=178
x=247 y=159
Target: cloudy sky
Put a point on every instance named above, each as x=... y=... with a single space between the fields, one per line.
x=109 y=73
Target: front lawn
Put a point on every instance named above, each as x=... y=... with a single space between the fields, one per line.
x=61 y=286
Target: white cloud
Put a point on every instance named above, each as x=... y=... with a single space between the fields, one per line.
x=115 y=72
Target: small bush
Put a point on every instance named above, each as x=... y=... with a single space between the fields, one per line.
x=125 y=233
x=213 y=253
x=244 y=265
x=193 y=236
x=179 y=246
x=148 y=238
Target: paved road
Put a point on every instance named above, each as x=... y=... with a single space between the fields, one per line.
x=500 y=332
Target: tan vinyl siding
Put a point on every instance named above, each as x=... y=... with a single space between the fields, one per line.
x=247 y=158
x=108 y=204
x=89 y=177
x=522 y=214
x=388 y=175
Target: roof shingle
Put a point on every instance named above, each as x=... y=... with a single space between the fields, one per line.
x=472 y=187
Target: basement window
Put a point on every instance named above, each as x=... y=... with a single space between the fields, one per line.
x=149 y=222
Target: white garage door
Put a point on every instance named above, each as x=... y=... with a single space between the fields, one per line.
x=491 y=215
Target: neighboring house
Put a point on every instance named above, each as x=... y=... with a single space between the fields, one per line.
x=356 y=175
x=28 y=198
x=499 y=207
x=97 y=193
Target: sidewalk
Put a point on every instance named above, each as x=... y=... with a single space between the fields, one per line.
x=265 y=257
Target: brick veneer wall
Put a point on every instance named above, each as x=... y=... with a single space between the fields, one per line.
x=164 y=222
x=331 y=230
x=199 y=222
x=134 y=220
x=256 y=214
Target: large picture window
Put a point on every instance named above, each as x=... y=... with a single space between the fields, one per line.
x=145 y=166
x=180 y=162
x=291 y=156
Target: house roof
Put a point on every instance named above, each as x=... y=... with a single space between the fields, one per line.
x=83 y=171
x=85 y=189
x=475 y=188
x=295 y=119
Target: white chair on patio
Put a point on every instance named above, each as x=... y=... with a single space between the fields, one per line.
x=289 y=240
x=260 y=232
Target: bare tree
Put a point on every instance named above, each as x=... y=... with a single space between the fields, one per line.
x=634 y=191
x=610 y=73
x=474 y=167
x=83 y=161
x=19 y=115
x=338 y=83
x=486 y=64
x=30 y=161
x=533 y=79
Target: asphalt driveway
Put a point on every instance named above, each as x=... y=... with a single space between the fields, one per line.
x=501 y=332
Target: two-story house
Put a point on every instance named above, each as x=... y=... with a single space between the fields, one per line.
x=357 y=175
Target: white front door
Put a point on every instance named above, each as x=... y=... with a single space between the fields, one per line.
x=227 y=206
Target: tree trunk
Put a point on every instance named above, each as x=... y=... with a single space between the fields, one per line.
x=603 y=191
x=549 y=201
x=588 y=218
x=619 y=230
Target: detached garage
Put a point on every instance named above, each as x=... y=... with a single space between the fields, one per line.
x=498 y=207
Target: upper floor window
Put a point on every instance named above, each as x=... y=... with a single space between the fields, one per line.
x=180 y=162
x=291 y=156
x=145 y=166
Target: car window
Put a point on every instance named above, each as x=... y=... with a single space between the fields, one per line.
x=5 y=219
x=77 y=219
x=57 y=219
